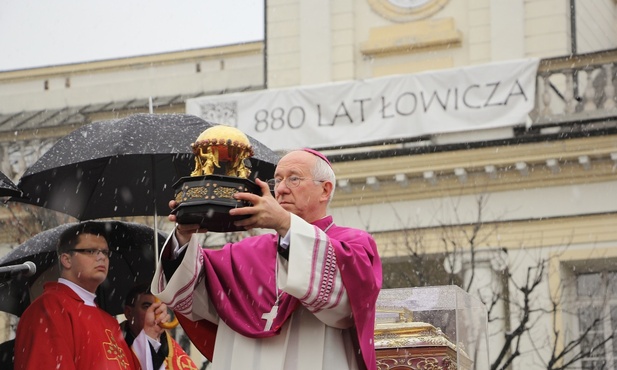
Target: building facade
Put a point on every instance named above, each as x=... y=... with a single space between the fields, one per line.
x=493 y=210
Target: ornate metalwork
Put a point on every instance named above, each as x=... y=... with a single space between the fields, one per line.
x=225 y=192
x=196 y=193
x=414 y=363
x=402 y=343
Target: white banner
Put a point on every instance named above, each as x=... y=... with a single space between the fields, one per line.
x=394 y=107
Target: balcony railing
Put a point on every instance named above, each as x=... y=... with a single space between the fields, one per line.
x=578 y=88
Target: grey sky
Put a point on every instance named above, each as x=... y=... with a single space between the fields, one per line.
x=38 y=33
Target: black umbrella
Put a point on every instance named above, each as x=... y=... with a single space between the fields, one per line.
x=123 y=167
x=7 y=188
x=131 y=262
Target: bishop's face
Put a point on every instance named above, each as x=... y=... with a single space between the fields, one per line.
x=296 y=190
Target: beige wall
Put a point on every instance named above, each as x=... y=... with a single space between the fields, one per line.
x=207 y=71
x=322 y=41
x=334 y=34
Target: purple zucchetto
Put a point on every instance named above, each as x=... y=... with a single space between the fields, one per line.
x=318 y=154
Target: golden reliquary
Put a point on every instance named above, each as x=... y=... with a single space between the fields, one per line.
x=402 y=344
x=222 y=147
x=222 y=168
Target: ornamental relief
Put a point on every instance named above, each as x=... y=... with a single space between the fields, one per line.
x=415 y=363
x=401 y=11
x=225 y=192
x=195 y=193
x=399 y=342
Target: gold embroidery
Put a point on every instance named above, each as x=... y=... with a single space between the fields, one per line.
x=113 y=351
x=184 y=362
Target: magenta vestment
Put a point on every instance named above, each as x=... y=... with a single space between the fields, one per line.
x=232 y=289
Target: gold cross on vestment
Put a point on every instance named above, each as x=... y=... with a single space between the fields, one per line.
x=113 y=351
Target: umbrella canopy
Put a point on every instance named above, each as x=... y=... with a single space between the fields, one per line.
x=131 y=262
x=123 y=167
x=7 y=188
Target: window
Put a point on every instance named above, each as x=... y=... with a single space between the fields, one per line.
x=597 y=312
x=592 y=24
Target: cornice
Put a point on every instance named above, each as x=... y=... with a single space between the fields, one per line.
x=133 y=62
x=37 y=134
x=500 y=156
x=488 y=169
x=512 y=235
x=579 y=61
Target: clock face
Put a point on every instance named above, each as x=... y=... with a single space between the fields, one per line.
x=408 y=4
x=407 y=10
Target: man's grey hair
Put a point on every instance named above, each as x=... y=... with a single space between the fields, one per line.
x=323 y=172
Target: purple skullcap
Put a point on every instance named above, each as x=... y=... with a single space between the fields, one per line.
x=318 y=154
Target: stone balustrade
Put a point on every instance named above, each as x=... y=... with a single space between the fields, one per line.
x=576 y=88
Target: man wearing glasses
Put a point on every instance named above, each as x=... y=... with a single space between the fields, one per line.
x=64 y=328
x=302 y=298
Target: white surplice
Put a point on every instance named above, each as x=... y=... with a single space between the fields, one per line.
x=305 y=341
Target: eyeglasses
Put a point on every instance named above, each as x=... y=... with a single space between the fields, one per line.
x=92 y=251
x=291 y=181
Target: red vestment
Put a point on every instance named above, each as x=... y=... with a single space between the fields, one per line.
x=58 y=331
x=177 y=359
x=170 y=353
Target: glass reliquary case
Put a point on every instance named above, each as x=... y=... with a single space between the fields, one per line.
x=430 y=328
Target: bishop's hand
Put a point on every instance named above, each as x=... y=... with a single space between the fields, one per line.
x=264 y=212
x=183 y=231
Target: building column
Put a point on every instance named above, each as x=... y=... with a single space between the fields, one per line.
x=487 y=273
x=315 y=42
x=507 y=29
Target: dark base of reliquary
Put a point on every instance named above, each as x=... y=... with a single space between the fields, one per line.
x=206 y=201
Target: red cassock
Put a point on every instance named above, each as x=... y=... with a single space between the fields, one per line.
x=58 y=331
